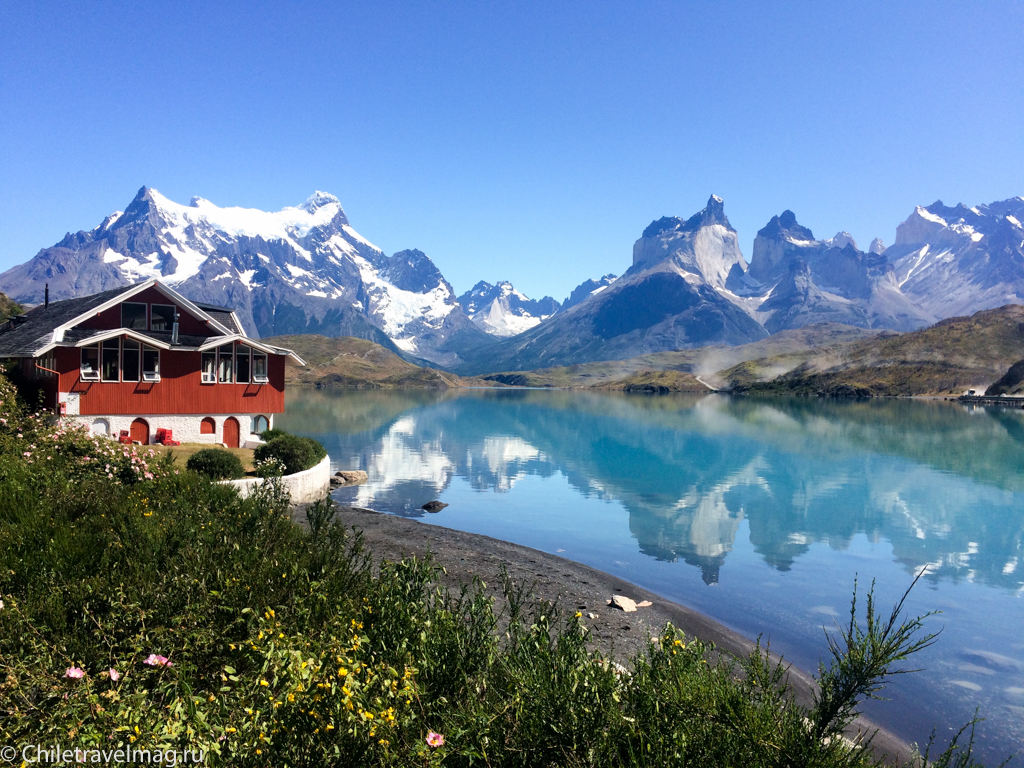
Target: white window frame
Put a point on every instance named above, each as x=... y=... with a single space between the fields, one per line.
x=229 y=358
x=94 y=374
x=264 y=378
x=145 y=315
x=248 y=353
x=149 y=375
x=103 y=344
x=138 y=370
x=212 y=378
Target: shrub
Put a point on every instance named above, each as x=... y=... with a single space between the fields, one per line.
x=269 y=434
x=296 y=453
x=216 y=464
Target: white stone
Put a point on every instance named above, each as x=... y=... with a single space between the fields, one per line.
x=625 y=604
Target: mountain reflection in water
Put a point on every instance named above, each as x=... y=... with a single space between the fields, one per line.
x=776 y=505
x=689 y=469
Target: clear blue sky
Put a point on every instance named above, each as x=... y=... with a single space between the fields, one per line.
x=524 y=141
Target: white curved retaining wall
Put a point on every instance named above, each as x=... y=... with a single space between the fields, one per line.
x=303 y=487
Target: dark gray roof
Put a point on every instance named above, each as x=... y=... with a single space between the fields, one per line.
x=223 y=316
x=27 y=333
x=23 y=335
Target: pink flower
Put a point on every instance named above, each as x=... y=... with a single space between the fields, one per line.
x=74 y=673
x=114 y=675
x=155 y=660
x=435 y=739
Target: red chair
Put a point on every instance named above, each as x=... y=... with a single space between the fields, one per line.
x=125 y=437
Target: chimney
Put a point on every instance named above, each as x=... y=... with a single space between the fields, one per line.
x=46 y=296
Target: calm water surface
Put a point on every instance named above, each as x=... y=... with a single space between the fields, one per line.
x=759 y=513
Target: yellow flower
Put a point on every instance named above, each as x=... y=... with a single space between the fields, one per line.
x=229 y=730
x=342 y=672
x=264 y=683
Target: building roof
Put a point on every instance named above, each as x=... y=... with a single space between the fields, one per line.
x=44 y=327
x=23 y=335
x=223 y=315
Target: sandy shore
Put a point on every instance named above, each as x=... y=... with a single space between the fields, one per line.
x=466 y=556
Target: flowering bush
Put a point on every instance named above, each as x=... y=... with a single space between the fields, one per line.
x=140 y=607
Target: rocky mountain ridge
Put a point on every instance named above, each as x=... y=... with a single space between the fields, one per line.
x=502 y=311
x=304 y=269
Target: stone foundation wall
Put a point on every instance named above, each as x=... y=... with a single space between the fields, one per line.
x=185 y=428
x=303 y=487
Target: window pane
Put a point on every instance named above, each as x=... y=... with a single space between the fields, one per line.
x=133 y=315
x=150 y=361
x=163 y=317
x=224 y=371
x=259 y=366
x=209 y=367
x=242 y=364
x=111 y=353
x=90 y=360
x=130 y=360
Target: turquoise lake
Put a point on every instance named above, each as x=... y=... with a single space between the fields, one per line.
x=757 y=512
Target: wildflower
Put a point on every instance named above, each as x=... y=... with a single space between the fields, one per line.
x=74 y=673
x=114 y=675
x=1 y=605
x=155 y=660
x=435 y=739
x=264 y=683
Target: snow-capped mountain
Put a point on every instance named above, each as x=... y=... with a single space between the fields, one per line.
x=795 y=280
x=704 y=246
x=303 y=269
x=689 y=285
x=502 y=311
x=959 y=260
x=586 y=289
x=672 y=297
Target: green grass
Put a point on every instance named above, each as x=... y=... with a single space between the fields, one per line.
x=293 y=646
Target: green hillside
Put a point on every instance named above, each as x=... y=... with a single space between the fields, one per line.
x=9 y=307
x=350 y=362
x=947 y=358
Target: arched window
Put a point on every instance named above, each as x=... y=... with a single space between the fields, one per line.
x=207 y=426
x=100 y=427
x=259 y=424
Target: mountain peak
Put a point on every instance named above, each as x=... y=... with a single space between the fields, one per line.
x=841 y=240
x=318 y=200
x=713 y=213
x=785 y=225
x=877 y=246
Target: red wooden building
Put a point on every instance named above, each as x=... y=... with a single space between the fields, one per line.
x=144 y=358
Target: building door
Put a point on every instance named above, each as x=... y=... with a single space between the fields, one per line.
x=140 y=431
x=231 y=432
